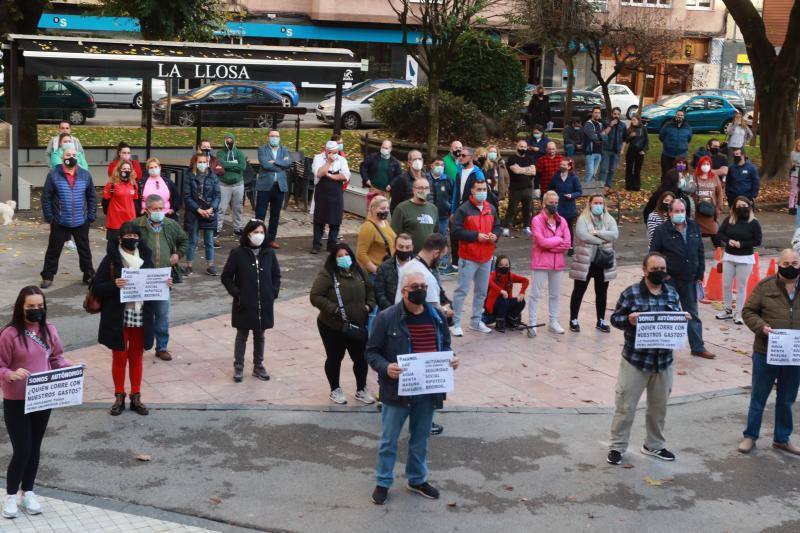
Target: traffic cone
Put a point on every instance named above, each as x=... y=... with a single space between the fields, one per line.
x=772 y=269
x=755 y=277
x=713 y=287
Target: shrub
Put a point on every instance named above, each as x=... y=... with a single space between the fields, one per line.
x=405 y=114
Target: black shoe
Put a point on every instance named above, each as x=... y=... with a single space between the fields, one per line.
x=614 y=458
x=424 y=490
x=603 y=326
x=574 y=326
x=792 y=210
x=211 y=271
x=238 y=374
x=46 y=283
x=186 y=270
x=500 y=325
x=88 y=277
x=378 y=406
x=315 y=250
x=137 y=406
x=436 y=429
x=379 y=495
x=261 y=373
x=119 y=404
x=571 y=252
x=663 y=454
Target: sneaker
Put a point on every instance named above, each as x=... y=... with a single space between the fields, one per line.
x=238 y=375
x=211 y=271
x=46 y=283
x=425 y=489
x=337 y=396
x=315 y=250
x=663 y=454
x=574 y=326
x=456 y=331
x=603 y=326
x=436 y=429
x=70 y=245
x=364 y=396
x=187 y=270
x=614 y=458
x=261 y=373
x=481 y=328
x=450 y=269
x=526 y=231
x=506 y=233
x=737 y=319
x=725 y=314
x=531 y=331
x=164 y=355
x=30 y=504
x=379 y=495
x=555 y=327
x=10 y=509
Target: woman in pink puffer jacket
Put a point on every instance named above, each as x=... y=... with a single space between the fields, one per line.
x=549 y=241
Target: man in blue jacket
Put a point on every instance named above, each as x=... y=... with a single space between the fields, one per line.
x=69 y=205
x=271 y=184
x=742 y=180
x=675 y=135
x=410 y=326
x=679 y=240
x=613 y=140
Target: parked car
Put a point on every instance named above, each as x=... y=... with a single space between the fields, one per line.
x=582 y=104
x=356 y=106
x=224 y=103
x=621 y=96
x=357 y=86
x=286 y=89
x=62 y=100
x=120 y=91
x=703 y=112
x=733 y=96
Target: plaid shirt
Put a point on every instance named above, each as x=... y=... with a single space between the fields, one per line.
x=638 y=299
x=133 y=318
x=546 y=168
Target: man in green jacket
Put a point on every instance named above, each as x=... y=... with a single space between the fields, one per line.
x=168 y=242
x=231 y=184
x=452 y=160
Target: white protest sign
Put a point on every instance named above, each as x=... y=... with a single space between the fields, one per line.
x=666 y=330
x=145 y=284
x=783 y=347
x=54 y=388
x=425 y=373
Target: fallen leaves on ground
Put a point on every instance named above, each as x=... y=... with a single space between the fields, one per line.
x=144 y=457
x=657 y=482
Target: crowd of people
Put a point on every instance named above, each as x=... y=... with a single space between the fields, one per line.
x=385 y=297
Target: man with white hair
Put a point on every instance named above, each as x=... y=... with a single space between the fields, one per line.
x=333 y=173
x=402 y=188
x=417 y=325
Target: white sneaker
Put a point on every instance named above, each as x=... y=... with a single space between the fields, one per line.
x=456 y=331
x=555 y=327
x=526 y=232
x=70 y=245
x=337 y=396
x=725 y=314
x=481 y=328
x=506 y=233
x=364 y=396
x=531 y=333
x=737 y=319
x=30 y=504
x=10 y=509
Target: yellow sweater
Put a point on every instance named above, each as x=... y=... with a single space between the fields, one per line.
x=371 y=246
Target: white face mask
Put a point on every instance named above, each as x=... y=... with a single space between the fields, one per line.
x=705 y=168
x=386 y=152
x=416 y=164
x=256 y=239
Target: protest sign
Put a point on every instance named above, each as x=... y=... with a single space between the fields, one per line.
x=145 y=284
x=783 y=347
x=54 y=388
x=661 y=330
x=425 y=373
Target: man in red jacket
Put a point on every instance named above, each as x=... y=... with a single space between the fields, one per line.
x=476 y=227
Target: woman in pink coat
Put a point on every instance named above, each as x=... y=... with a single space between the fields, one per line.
x=550 y=240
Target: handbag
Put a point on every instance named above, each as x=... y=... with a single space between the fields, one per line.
x=385 y=242
x=92 y=304
x=706 y=209
x=352 y=331
x=604 y=258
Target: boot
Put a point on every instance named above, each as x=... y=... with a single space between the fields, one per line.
x=500 y=325
x=119 y=404
x=136 y=404
x=238 y=374
x=513 y=322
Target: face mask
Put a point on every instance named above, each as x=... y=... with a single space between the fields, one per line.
x=503 y=270
x=125 y=175
x=383 y=215
x=551 y=208
x=157 y=217
x=154 y=171
x=421 y=195
x=743 y=212
x=577 y=128
x=678 y=218
x=202 y=167
x=344 y=262
x=207 y=151
x=521 y=152
x=34 y=315
x=737 y=159
x=665 y=206
x=457 y=152
x=492 y=156
x=714 y=150
x=229 y=145
x=68 y=146
x=705 y=168
x=70 y=162
x=416 y=164
x=537 y=136
x=386 y=152
x=256 y=239
x=129 y=243
x=480 y=196
x=790 y=272
x=417 y=297
x=438 y=170
x=563 y=171
x=341 y=147
x=656 y=277
x=597 y=210
x=404 y=255
x=481 y=161
x=274 y=141
x=681 y=167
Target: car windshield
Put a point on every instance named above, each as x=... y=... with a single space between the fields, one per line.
x=361 y=93
x=203 y=91
x=675 y=100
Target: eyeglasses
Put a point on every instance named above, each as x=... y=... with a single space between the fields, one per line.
x=465 y=155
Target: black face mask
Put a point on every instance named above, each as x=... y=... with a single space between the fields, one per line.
x=125 y=175
x=417 y=297
x=70 y=162
x=737 y=159
x=665 y=206
x=383 y=215
x=207 y=151
x=457 y=153
x=481 y=161
x=790 y=272
x=520 y=152
x=403 y=256
x=743 y=212
x=714 y=150
x=229 y=145
x=656 y=277
x=503 y=270
x=34 y=315
x=129 y=243
x=552 y=208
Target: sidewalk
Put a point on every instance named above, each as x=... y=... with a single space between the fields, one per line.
x=498 y=370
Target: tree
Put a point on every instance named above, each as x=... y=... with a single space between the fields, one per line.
x=777 y=79
x=558 y=25
x=440 y=23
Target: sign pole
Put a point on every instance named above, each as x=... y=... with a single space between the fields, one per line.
x=337 y=110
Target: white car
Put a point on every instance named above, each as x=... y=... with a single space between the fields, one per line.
x=120 y=91
x=357 y=106
x=622 y=97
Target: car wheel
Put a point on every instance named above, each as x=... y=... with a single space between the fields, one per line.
x=351 y=121
x=137 y=101
x=77 y=117
x=287 y=101
x=632 y=111
x=264 y=120
x=186 y=118
x=725 y=125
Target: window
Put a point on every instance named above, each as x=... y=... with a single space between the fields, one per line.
x=246 y=93
x=648 y=3
x=617 y=89
x=556 y=98
x=225 y=93
x=699 y=4
x=714 y=103
x=696 y=105
x=53 y=88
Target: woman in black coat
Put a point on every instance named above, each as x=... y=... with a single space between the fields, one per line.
x=252 y=276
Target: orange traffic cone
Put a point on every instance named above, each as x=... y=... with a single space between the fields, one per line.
x=713 y=287
x=772 y=269
x=755 y=277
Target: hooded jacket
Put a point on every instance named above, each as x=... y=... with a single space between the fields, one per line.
x=233 y=161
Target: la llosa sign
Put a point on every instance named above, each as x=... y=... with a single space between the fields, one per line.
x=212 y=71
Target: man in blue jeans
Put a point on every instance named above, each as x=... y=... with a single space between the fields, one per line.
x=593 y=142
x=410 y=326
x=613 y=140
x=773 y=305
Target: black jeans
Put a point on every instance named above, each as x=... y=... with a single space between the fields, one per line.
x=241 y=343
x=571 y=224
x=274 y=199
x=58 y=236
x=508 y=308
x=633 y=170
x=335 y=344
x=25 y=433
x=600 y=293
x=515 y=197
x=333 y=234
x=667 y=162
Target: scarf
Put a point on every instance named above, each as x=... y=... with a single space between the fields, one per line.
x=132 y=260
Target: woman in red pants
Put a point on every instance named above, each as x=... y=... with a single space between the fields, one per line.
x=125 y=328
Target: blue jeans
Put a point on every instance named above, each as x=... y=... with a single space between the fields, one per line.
x=764 y=376
x=420 y=417
x=208 y=241
x=161 y=310
x=608 y=166
x=442 y=226
x=687 y=291
x=592 y=162
x=469 y=272
x=274 y=199
x=569 y=149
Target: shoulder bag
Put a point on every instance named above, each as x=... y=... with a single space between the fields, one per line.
x=604 y=257
x=385 y=242
x=92 y=304
x=352 y=331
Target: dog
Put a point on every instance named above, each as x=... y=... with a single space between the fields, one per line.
x=7 y=212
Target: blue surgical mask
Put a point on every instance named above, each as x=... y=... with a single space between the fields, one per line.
x=438 y=170
x=344 y=262
x=202 y=167
x=157 y=217
x=341 y=147
x=68 y=146
x=678 y=218
x=274 y=141
x=597 y=210
x=480 y=196
x=492 y=156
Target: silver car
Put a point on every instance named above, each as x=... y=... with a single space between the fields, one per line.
x=120 y=91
